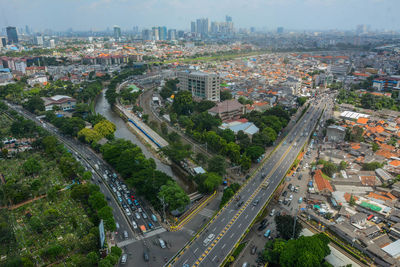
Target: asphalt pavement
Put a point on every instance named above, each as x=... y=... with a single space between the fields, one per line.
x=229 y=225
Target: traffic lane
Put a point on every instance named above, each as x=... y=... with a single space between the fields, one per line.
x=280 y=173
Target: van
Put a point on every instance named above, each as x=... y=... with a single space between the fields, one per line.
x=162 y=243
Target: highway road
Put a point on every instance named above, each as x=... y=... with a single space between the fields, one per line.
x=101 y=175
x=227 y=227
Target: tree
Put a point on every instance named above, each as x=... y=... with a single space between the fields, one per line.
x=93 y=258
x=329 y=168
x=228 y=135
x=173 y=196
x=35 y=104
x=50 y=144
x=204 y=105
x=212 y=181
x=284 y=225
x=89 y=135
x=375 y=147
x=106 y=214
x=69 y=166
x=342 y=165
x=301 y=100
x=372 y=166
x=97 y=201
x=254 y=152
x=183 y=103
x=105 y=128
x=217 y=164
x=177 y=151
x=31 y=166
x=225 y=95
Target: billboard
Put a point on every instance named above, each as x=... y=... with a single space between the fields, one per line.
x=102 y=234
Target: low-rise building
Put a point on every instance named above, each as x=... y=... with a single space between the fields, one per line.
x=65 y=103
x=227 y=110
x=335 y=133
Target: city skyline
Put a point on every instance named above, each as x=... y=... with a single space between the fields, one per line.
x=290 y=14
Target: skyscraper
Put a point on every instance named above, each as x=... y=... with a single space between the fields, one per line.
x=193 y=26
x=3 y=41
x=279 y=30
x=202 y=26
x=228 y=18
x=27 y=31
x=12 y=35
x=162 y=33
x=156 y=34
x=171 y=34
x=146 y=35
x=117 y=32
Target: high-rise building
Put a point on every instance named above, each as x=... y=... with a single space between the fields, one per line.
x=12 y=35
x=171 y=34
x=162 y=33
x=52 y=43
x=252 y=29
x=193 y=26
x=3 y=41
x=202 y=85
x=279 y=30
x=135 y=29
x=39 y=40
x=117 y=32
x=181 y=34
x=27 y=31
x=156 y=34
x=228 y=18
x=147 y=35
x=214 y=27
x=202 y=26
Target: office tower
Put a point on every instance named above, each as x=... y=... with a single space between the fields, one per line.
x=162 y=33
x=214 y=27
x=135 y=29
x=202 y=26
x=202 y=85
x=181 y=34
x=3 y=41
x=228 y=18
x=193 y=26
x=279 y=30
x=39 y=40
x=155 y=34
x=12 y=35
x=117 y=32
x=252 y=29
x=171 y=34
x=27 y=31
x=52 y=43
x=147 y=35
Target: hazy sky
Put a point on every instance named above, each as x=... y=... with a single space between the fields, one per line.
x=291 y=14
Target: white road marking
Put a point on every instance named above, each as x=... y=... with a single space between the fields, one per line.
x=232 y=235
x=195 y=250
x=214 y=228
x=240 y=225
x=185 y=262
x=246 y=216
x=214 y=258
x=223 y=246
x=223 y=219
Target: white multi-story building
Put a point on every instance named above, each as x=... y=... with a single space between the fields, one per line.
x=202 y=85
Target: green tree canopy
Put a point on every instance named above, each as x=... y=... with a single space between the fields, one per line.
x=173 y=196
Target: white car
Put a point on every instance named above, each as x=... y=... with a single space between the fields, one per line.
x=291 y=197
x=209 y=238
x=137 y=215
x=128 y=212
x=144 y=215
x=134 y=224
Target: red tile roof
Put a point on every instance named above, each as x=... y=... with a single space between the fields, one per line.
x=322 y=183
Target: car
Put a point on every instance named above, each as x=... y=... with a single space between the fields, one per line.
x=100 y=181
x=124 y=258
x=150 y=226
x=154 y=218
x=290 y=186
x=129 y=201
x=137 y=215
x=120 y=199
x=253 y=250
x=144 y=215
x=114 y=189
x=208 y=239
x=108 y=198
x=272 y=212
x=126 y=234
x=240 y=204
x=140 y=209
x=291 y=197
x=256 y=201
x=117 y=225
x=162 y=243
x=128 y=212
x=264 y=222
x=267 y=233
x=284 y=194
x=134 y=224
x=145 y=256
x=261 y=227
x=136 y=202
x=300 y=176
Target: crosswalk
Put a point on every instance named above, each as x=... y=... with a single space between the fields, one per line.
x=138 y=238
x=207 y=212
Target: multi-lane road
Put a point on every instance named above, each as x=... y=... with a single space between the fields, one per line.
x=110 y=187
x=228 y=226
